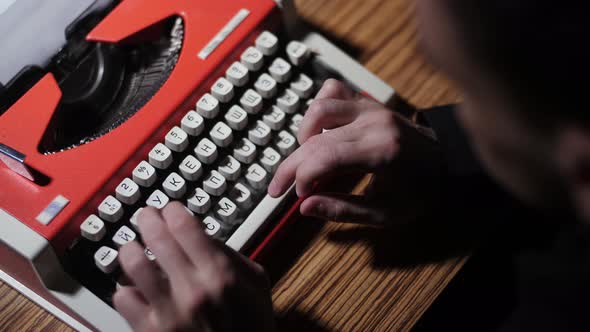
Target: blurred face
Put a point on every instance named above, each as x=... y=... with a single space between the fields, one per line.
x=514 y=154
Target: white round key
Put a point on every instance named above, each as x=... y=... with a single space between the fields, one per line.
x=245 y=151
x=259 y=134
x=208 y=106
x=297 y=52
x=241 y=195
x=280 y=70
x=158 y=200
x=105 y=259
x=176 y=139
x=236 y=118
x=251 y=101
x=222 y=90
x=123 y=236
x=191 y=213
x=230 y=168
x=221 y=134
x=256 y=176
x=160 y=156
x=144 y=174
x=270 y=160
x=192 y=123
x=288 y=102
x=267 y=43
x=212 y=226
x=191 y=168
x=252 y=58
x=199 y=202
x=133 y=219
x=237 y=74
x=275 y=118
x=93 y=228
x=110 y=209
x=227 y=210
x=286 y=143
x=149 y=254
x=128 y=192
x=206 y=151
x=174 y=185
x=302 y=86
x=295 y=123
x=266 y=86
x=215 y=184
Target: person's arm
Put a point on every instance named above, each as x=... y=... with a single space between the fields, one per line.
x=343 y=131
x=458 y=153
x=432 y=191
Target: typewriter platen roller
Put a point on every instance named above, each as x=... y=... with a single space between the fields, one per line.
x=102 y=84
x=108 y=83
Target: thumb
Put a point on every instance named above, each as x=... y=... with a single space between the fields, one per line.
x=334 y=89
x=341 y=208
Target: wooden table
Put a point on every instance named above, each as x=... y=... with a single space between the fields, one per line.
x=333 y=280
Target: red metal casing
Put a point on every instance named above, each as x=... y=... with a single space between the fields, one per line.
x=86 y=174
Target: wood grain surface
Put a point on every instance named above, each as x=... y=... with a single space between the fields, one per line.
x=327 y=276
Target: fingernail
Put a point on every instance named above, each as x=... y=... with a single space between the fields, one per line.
x=272 y=189
x=318 y=210
x=312 y=211
x=302 y=192
x=298 y=192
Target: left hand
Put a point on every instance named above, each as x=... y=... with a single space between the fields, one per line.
x=207 y=286
x=362 y=135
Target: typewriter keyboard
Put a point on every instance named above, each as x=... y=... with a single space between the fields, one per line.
x=218 y=160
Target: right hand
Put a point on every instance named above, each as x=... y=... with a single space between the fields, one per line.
x=362 y=135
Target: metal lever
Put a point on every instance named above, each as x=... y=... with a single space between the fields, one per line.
x=15 y=161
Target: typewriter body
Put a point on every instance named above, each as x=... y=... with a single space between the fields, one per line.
x=139 y=102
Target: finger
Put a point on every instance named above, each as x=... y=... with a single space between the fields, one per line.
x=341 y=208
x=335 y=89
x=285 y=174
x=157 y=237
x=189 y=234
x=327 y=114
x=326 y=159
x=246 y=268
x=287 y=171
x=133 y=307
x=144 y=275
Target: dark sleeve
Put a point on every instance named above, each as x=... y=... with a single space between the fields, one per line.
x=458 y=152
x=471 y=187
x=536 y=263
x=475 y=207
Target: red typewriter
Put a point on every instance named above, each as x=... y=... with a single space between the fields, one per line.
x=109 y=106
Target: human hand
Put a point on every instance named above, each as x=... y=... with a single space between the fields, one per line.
x=207 y=286
x=362 y=135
